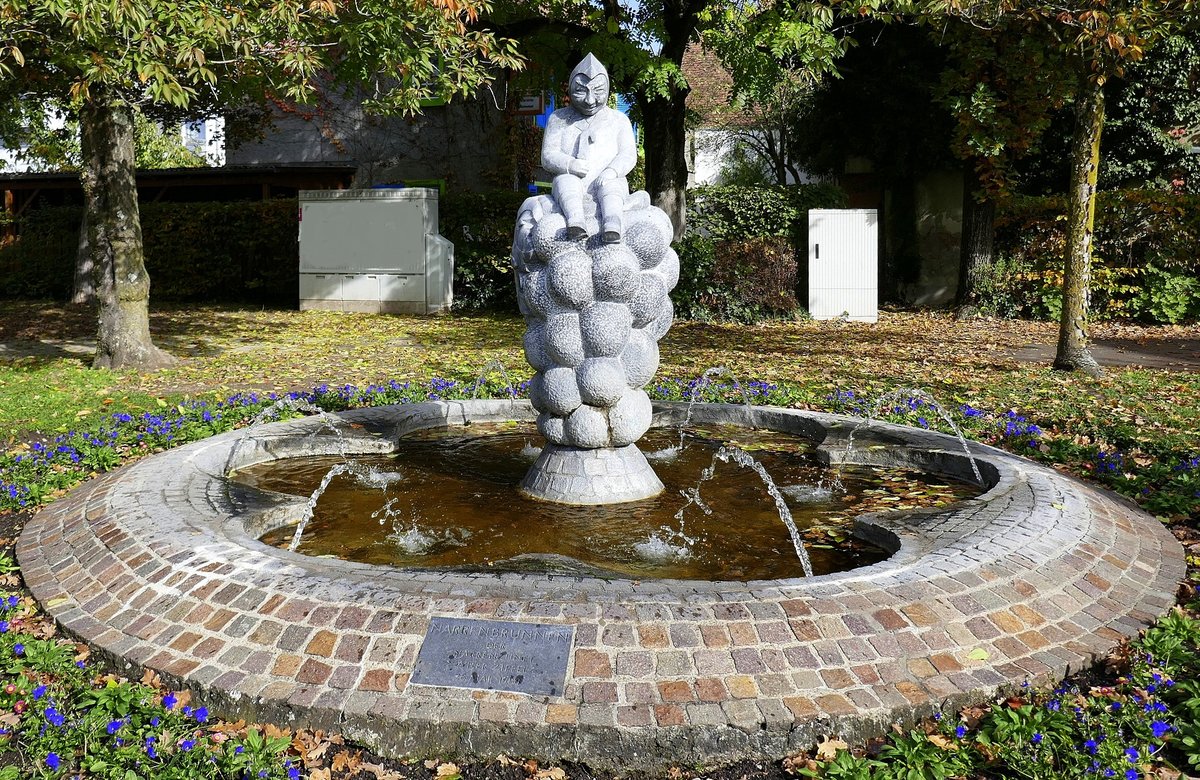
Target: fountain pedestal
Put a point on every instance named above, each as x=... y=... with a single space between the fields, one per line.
x=607 y=475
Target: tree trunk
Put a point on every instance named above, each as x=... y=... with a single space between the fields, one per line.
x=1081 y=215
x=977 y=246
x=114 y=225
x=84 y=293
x=666 y=155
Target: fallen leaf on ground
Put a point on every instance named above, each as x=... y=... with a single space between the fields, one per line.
x=828 y=749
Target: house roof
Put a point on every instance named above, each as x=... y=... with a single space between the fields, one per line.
x=711 y=86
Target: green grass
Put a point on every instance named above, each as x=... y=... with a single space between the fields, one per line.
x=55 y=396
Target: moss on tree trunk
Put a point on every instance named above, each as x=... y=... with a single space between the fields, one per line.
x=122 y=286
x=977 y=248
x=1073 y=352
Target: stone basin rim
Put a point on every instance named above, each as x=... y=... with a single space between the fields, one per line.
x=151 y=565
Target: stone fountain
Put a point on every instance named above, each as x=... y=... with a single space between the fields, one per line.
x=159 y=565
x=594 y=266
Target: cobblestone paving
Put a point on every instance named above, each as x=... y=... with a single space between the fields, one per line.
x=156 y=566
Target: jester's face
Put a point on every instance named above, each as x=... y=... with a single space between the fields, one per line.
x=589 y=94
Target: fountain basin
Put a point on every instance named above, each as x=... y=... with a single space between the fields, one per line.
x=154 y=566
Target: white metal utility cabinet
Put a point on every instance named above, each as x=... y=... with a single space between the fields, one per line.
x=374 y=251
x=843 y=264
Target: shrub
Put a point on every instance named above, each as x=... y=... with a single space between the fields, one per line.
x=1145 y=264
x=481 y=227
x=741 y=280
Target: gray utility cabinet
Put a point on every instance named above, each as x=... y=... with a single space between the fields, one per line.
x=374 y=251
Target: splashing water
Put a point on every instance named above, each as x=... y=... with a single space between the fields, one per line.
x=913 y=393
x=368 y=476
x=808 y=494
x=739 y=457
x=660 y=549
x=706 y=380
x=494 y=364
x=666 y=454
x=329 y=422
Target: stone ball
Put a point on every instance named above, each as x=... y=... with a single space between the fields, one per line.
x=637 y=203
x=534 y=294
x=564 y=342
x=605 y=328
x=550 y=237
x=639 y=358
x=660 y=218
x=647 y=242
x=630 y=418
x=587 y=427
x=560 y=391
x=662 y=323
x=669 y=268
x=570 y=279
x=553 y=428
x=614 y=273
x=649 y=300
x=535 y=346
x=601 y=381
x=537 y=392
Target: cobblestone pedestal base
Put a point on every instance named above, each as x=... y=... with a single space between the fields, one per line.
x=570 y=475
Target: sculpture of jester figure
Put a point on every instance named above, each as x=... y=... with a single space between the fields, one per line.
x=590 y=149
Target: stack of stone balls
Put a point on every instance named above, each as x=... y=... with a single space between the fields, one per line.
x=594 y=314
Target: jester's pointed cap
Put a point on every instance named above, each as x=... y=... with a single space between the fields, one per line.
x=589 y=67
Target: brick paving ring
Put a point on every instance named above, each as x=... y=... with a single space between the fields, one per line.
x=157 y=565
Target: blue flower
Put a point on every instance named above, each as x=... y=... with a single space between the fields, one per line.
x=169 y=701
x=18 y=649
x=1161 y=729
x=151 y=750
x=53 y=761
x=39 y=692
x=1037 y=738
x=114 y=726
x=1091 y=747
x=154 y=722
x=1132 y=774
x=54 y=717
x=200 y=714
x=1132 y=754
x=1115 y=706
x=187 y=745
x=960 y=732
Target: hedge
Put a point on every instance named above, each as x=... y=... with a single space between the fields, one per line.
x=736 y=213
x=1146 y=262
x=243 y=251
